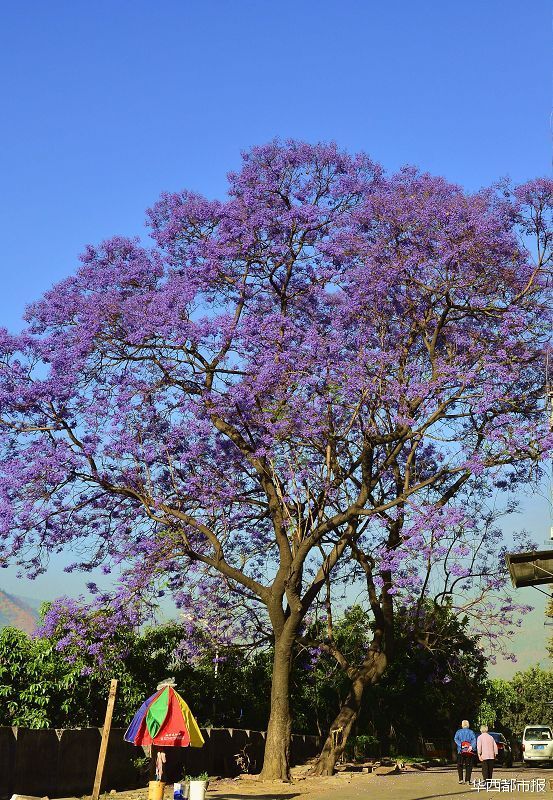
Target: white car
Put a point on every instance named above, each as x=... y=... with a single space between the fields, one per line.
x=537 y=744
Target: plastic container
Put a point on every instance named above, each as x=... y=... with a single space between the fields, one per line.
x=197 y=790
x=155 y=790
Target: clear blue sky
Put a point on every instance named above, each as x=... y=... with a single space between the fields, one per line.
x=106 y=104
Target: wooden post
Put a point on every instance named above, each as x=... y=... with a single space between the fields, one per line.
x=105 y=737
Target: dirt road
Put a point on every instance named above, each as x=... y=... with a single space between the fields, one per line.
x=436 y=783
x=433 y=784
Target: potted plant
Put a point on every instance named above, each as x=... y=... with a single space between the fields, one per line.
x=197 y=785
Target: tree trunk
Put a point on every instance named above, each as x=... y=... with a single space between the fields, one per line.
x=339 y=731
x=276 y=762
x=371 y=671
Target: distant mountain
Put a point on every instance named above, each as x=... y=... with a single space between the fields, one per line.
x=18 y=612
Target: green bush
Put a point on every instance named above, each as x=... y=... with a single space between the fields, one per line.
x=362 y=746
x=203 y=776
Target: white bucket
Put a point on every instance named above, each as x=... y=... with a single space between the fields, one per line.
x=197 y=790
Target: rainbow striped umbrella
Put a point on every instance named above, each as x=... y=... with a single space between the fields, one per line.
x=164 y=720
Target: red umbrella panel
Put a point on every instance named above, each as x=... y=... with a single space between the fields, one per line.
x=164 y=720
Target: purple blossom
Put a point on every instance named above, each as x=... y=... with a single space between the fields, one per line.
x=249 y=391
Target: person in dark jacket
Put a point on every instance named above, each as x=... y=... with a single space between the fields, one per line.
x=465 y=739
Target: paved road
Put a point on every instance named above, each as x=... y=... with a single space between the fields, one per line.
x=438 y=783
x=442 y=782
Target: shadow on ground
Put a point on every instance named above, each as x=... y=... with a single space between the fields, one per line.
x=269 y=796
x=449 y=794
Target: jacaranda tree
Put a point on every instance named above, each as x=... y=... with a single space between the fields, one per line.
x=428 y=567
x=229 y=399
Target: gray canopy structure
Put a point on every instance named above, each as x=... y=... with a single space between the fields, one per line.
x=530 y=569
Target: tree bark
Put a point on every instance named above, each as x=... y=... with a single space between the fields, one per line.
x=276 y=761
x=370 y=673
